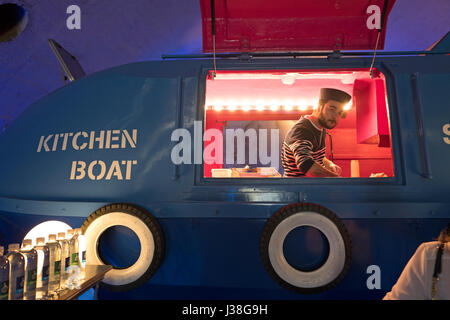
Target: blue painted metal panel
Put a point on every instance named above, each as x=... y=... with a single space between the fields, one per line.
x=218 y=256
x=213 y=227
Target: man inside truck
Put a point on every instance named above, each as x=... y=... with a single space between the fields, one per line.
x=303 y=150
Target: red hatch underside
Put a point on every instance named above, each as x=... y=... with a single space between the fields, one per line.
x=293 y=25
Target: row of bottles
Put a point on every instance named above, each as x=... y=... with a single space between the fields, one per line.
x=38 y=272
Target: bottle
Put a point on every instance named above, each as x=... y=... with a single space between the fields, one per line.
x=71 y=240
x=4 y=275
x=29 y=292
x=54 y=249
x=65 y=259
x=74 y=250
x=75 y=276
x=69 y=234
x=82 y=252
x=42 y=268
x=16 y=272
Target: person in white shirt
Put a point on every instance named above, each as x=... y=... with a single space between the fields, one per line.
x=427 y=274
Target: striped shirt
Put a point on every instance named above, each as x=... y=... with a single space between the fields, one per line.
x=303 y=145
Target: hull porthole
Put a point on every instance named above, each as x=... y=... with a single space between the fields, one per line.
x=324 y=275
x=146 y=229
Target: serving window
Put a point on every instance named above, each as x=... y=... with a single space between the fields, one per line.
x=248 y=113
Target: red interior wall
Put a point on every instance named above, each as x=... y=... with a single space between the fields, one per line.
x=372 y=121
x=212 y=121
x=372 y=159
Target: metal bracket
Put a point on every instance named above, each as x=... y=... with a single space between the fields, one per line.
x=245 y=56
x=335 y=55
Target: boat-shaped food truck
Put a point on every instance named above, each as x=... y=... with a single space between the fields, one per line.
x=172 y=168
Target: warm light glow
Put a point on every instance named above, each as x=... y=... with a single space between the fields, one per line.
x=45 y=228
x=227 y=104
x=348 y=106
x=349 y=78
x=288 y=79
x=288 y=104
x=302 y=107
x=274 y=107
x=261 y=105
x=246 y=105
x=209 y=104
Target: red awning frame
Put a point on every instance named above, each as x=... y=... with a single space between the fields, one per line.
x=293 y=25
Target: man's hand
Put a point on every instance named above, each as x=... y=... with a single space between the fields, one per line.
x=318 y=170
x=337 y=169
x=329 y=165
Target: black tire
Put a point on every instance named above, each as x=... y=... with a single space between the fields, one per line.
x=96 y=222
x=297 y=212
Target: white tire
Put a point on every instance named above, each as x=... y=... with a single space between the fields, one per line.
x=329 y=273
x=146 y=229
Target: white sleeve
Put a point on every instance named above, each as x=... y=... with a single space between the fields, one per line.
x=413 y=281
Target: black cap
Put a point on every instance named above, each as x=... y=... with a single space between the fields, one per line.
x=334 y=94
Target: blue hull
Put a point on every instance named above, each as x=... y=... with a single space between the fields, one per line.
x=212 y=227
x=227 y=265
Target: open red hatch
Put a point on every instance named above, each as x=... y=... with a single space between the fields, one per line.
x=294 y=25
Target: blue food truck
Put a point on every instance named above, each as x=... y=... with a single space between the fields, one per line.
x=172 y=168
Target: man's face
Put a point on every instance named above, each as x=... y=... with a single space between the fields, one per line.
x=331 y=113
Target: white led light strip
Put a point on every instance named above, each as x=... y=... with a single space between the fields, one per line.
x=274 y=108
x=261 y=106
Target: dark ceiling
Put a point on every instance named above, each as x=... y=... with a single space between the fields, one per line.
x=115 y=32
